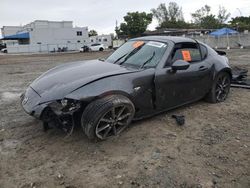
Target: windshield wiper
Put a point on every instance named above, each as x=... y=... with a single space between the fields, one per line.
x=120 y=58
x=146 y=62
x=129 y=54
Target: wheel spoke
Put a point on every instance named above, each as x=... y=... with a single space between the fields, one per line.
x=225 y=85
x=114 y=130
x=123 y=116
x=107 y=132
x=121 y=111
x=217 y=90
x=102 y=128
x=121 y=123
x=224 y=80
x=106 y=120
x=218 y=95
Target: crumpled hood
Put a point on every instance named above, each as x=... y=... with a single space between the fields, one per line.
x=62 y=80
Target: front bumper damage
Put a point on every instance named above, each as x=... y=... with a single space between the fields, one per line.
x=30 y=102
x=56 y=113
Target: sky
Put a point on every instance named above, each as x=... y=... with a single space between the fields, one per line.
x=101 y=15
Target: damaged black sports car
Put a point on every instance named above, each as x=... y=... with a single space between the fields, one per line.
x=143 y=77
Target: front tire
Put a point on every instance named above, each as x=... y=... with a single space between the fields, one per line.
x=107 y=117
x=220 y=88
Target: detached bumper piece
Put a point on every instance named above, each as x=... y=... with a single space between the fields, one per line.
x=239 y=79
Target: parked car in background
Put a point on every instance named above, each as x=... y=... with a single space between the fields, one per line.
x=4 y=50
x=97 y=47
x=2 y=46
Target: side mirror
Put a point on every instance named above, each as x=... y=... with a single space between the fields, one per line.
x=180 y=65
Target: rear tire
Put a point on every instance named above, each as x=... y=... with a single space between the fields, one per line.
x=220 y=88
x=101 y=49
x=107 y=117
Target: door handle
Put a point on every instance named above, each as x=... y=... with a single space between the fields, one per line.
x=202 y=68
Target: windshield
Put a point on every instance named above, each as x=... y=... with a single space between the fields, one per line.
x=138 y=53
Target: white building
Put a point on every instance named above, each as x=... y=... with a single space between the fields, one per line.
x=44 y=36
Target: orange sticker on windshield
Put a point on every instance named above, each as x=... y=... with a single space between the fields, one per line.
x=186 y=55
x=137 y=44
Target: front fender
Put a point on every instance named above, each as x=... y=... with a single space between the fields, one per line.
x=101 y=88
x=138 y=87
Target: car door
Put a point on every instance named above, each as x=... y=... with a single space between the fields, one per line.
x=97 y=47
x=174 y=88
x=94 y=47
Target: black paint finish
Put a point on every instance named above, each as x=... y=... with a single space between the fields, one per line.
x=152 y=90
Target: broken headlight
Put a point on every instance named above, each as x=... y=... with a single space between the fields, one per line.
x=65 y=106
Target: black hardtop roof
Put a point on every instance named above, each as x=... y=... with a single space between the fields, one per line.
x=166 y=39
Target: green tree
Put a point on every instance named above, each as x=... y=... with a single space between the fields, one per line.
x=203 y=18
x=175 y=12
x=241 y=23
x=209 y=22
x=161 y=13
x=170 y=16
x=93 y=33
x=199 y=15
x=135 y=24
x=223 y=15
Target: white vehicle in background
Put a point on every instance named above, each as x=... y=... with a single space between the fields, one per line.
x=4 y=50
x=96 y=47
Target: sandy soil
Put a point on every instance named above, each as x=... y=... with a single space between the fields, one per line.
x=212 y=149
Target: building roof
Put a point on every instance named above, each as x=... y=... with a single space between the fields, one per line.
x=166 y=39
x=17 y=36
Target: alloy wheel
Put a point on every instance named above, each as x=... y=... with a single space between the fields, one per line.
x=113 y=121
x=222 y=87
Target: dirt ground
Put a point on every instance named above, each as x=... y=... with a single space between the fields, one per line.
x=212 y=149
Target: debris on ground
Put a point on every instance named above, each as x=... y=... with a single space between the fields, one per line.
x=180 y=119
x=239 y=78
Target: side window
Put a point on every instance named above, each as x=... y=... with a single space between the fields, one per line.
x=79 y=33
x=203 y=51
x=95 y=44
x=189 y=52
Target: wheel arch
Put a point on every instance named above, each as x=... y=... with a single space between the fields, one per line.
x=227 y=70
x=102 y=94
x=115 y=92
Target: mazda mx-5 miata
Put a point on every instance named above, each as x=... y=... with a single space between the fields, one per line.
x=143 y=77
